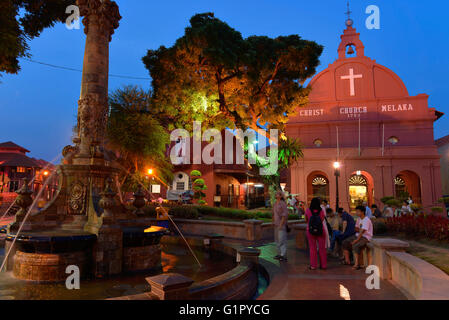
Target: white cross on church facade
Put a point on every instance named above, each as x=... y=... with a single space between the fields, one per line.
x=351 y=77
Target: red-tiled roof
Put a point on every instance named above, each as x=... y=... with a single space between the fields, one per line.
x=442 y=141
x=17 y=160
x=11 y=145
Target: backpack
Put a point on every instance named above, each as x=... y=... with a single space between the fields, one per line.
x=315 y=224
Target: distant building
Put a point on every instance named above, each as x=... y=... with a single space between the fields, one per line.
x=443 y=150
x=229 y=185
x=16 y=167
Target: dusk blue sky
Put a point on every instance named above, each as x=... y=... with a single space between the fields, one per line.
x=38 y=106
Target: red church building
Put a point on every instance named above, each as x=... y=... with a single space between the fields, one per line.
x=361 y=115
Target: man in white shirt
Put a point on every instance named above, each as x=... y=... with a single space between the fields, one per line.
x=358 y=242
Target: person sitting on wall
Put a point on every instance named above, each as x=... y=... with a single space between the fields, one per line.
x=356 y=243
x=301 y=209
x=347 y=228
x=376 y=212
x=334 y=222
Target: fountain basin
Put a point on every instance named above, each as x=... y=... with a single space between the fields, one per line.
x=139 y=237
x=53 y=241
x=141 y=249
x=44 y=256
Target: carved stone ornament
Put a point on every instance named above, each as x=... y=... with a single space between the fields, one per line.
x=92 y=117
x=77 y=198
x=105 y=13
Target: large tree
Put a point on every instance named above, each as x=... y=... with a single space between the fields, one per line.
x=23 y=20
x=214 y=75
x=138 y=137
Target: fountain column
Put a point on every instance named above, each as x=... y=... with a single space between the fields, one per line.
x=101 y=18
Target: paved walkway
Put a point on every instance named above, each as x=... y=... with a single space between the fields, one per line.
x=293 y=280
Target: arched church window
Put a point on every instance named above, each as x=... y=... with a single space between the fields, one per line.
x=358 y=180
x=399 y=181
x=319 y=181
x=318 y=142
x=393 y=140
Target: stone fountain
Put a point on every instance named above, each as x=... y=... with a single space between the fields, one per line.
x=84 y=225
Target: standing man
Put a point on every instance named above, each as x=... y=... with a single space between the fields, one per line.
x=280 y=216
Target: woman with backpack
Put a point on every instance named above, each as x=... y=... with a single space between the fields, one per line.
x=316 y=234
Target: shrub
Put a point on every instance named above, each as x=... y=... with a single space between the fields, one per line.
x=195 y=173
x=444 y=200
x=436 y=209
x=184 y=212
x=384 y=200
x=416 y=207
x=393 y=203
x=428 y=226
x=150 y=211
x=264 y=215
x=379 y=227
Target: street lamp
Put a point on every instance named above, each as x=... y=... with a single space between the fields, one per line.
x=150 y=173
x=337 y=174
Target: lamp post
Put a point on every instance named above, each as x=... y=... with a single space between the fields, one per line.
x=150 y=178
x=337 y=174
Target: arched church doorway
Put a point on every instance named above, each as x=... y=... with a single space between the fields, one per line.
x=317 y=186
x=361 y=189
x=407 y=184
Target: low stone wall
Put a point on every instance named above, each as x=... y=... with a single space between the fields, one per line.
x=416 y=278
x=234 y=230
x=239 y=283
x=251 y=230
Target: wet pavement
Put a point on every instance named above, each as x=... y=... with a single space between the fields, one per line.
x=292 y=280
